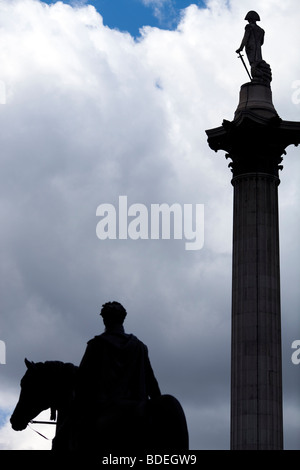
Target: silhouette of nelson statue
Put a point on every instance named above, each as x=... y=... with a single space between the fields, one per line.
x=115 y=382
x=252 y=41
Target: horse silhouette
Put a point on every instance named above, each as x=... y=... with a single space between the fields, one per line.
x=156 y=424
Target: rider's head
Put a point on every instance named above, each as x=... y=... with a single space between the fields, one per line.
x=113 y=313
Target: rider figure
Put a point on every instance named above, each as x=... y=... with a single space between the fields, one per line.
x=115 y=381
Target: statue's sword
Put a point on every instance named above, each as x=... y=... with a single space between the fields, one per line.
x=241 y=57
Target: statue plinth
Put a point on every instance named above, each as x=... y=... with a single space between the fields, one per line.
x=255 y=141
x=256 y=98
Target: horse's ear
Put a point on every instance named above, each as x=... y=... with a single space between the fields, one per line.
x=28 y=363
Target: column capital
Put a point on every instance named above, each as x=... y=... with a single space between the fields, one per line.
x=257 y=138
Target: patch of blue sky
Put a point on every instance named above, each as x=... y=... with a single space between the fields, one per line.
x=132 y=15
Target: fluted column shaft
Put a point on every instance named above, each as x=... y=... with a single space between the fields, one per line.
x=256 y=381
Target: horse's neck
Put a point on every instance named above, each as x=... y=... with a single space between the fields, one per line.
x=59 y=383
x=62 y=385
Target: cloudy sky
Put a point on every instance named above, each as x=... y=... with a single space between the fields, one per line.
x=109 y=98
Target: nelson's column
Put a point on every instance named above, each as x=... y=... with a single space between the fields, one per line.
x=255 y=141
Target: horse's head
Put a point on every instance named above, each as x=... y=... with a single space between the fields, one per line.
x=34 y=396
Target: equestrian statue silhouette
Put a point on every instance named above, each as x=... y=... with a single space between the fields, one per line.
x=112 y=401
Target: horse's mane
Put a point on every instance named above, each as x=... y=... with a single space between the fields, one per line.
x=52 y=375
x=65 y=371
x=59 y=367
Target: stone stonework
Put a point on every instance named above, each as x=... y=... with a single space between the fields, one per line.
x=255 y=142
x=256 y=403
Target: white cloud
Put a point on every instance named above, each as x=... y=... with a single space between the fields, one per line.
x=164 y=11
x=29 y=439
x=91 y=114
